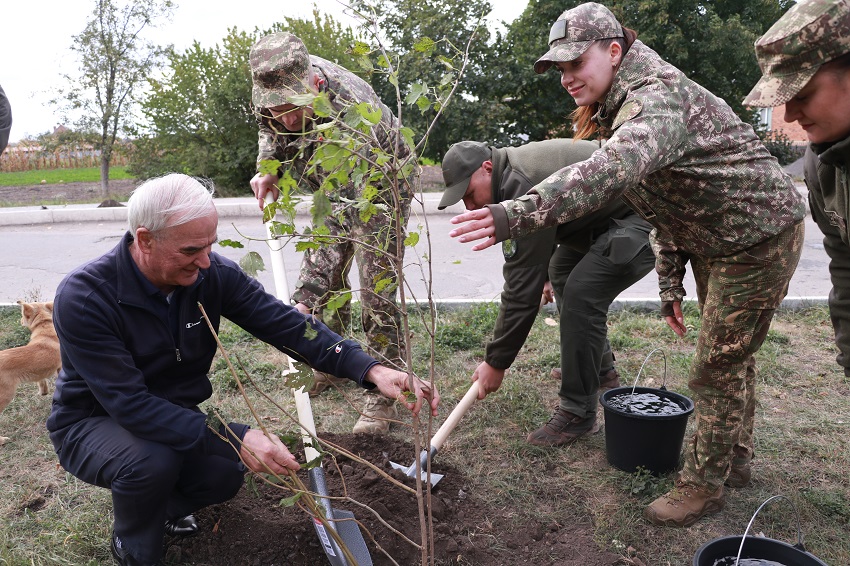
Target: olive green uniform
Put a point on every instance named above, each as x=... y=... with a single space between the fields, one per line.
x=589 y=260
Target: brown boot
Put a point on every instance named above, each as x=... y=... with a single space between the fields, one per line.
x=322 y=381
x=739 y=474
x=609 y=380
x=684 y=505
x=563 y=428
x=376 y=415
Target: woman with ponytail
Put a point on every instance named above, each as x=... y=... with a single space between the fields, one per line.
x=717 y=199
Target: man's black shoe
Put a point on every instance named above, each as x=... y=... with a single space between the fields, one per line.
x=122 y=556
x=182 y=527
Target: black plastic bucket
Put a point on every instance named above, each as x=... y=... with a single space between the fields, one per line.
x=755 y=547
x=758 y=548
x=651 y=442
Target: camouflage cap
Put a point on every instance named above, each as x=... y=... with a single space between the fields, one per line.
x=811 y=33
x=280 y=69
x=575 y=30
x=461 y=161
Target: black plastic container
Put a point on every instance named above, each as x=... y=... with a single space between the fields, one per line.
x=758 y=548
x=755 y=547
x=651 y=442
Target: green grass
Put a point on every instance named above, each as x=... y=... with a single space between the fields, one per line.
x=802 y=441
x=58 y=176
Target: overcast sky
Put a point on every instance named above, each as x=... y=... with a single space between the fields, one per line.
x=36 y=36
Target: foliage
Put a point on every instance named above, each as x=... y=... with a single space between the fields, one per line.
x=538 y=105
x=448 y=27
x=114 y=63
x=780 y=146
x=198 y=117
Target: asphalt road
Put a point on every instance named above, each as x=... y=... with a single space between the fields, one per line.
x=34 y=257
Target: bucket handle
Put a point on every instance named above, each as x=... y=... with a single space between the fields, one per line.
x=799 y=544
x=664 y=380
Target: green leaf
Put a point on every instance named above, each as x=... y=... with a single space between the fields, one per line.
x=412 y=239
x=385 y=283
x=291 y=501
x=322 y=105
x=269 y=166
x=230 y=244
x=423 y=103
x=321 y=208
x=416 y=90
x=359 y=48
x=425 y=45
x=252 y=263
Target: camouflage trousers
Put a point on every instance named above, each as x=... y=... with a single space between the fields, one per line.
x=738 y=295
x=324 y=277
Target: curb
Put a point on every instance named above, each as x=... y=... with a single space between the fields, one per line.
x=242 y=207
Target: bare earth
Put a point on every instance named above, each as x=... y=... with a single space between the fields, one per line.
x=72 y=193
x=252 y=529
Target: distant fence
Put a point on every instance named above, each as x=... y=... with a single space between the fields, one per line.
x=31 y=157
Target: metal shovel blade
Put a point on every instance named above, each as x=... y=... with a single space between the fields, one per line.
x=410 y=471
x=342 y=522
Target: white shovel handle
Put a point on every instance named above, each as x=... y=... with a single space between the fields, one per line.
x=455 y=416
x=305 y=419
x=276 y=252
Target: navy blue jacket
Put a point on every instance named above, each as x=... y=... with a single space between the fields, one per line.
x=130 y=354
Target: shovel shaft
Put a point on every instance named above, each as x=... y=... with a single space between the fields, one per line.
x=276 y=252
x=454 y=417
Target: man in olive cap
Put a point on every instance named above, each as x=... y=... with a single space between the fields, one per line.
x=805 y=61
x=286 y=80
x=586 y=263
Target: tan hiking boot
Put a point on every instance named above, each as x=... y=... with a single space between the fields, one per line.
x=684 y=505
x=739 y=475
x=322 y=381
x=563 y=428
x=609 y=380
x=376 y=415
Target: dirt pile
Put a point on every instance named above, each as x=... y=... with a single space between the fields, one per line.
x=253 y=529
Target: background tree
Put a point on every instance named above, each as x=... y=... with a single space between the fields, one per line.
x=197 y=117
x=474 y=113
x=114 y=62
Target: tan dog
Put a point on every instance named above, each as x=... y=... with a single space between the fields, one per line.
x=38 y=361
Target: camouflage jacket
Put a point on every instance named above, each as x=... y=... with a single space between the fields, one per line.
x=828 y=179
x=515 y=171
x=294 y=149
x=682 y=159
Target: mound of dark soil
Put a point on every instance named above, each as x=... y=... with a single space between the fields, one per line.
x=254 y=529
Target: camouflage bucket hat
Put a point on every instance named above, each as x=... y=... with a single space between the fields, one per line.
x=811 y=33
x=461 y=161
x=280 y=69
x=575 y=30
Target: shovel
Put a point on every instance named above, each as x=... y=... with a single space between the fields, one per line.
x=341 y=521
x=440 y=437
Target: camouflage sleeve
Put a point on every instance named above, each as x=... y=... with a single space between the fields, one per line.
x=670 y=267
x=266 y=144
x=649 y=135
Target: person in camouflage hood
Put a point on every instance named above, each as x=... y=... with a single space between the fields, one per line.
x=286 y=79
x=5 y=120
x=805 y=61
x=717 y=199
